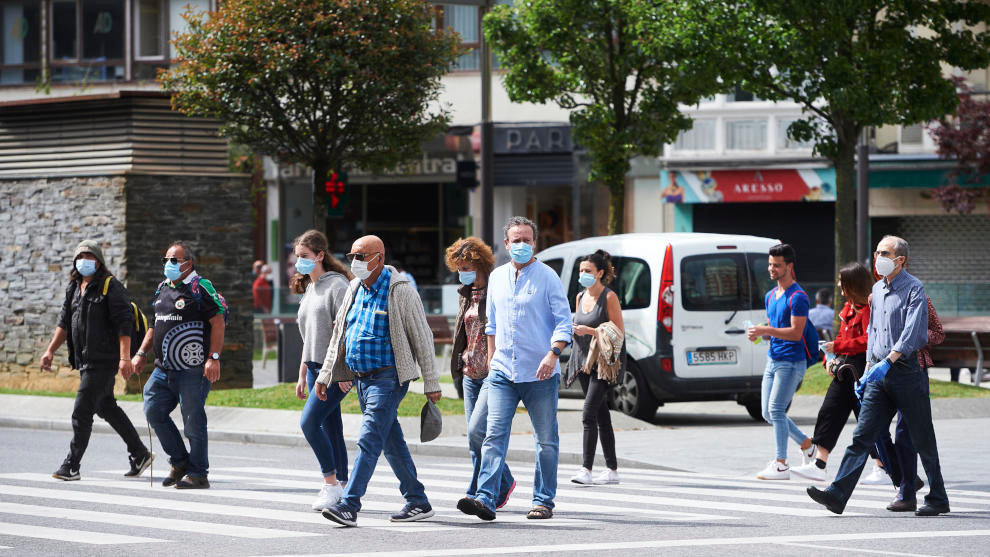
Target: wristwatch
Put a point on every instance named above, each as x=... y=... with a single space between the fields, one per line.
x=215 y=356
x=141 y=353
x=556 y=351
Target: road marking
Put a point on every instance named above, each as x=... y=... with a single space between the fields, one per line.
x=845 y=549
x=618 y=546
x=145 y=521
x=68 y=535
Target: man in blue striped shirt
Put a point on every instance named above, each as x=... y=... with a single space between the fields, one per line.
x=893 y=382
x=529 y=323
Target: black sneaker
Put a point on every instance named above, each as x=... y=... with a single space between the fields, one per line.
x=826 y=499
x=412 y=512
x=341 y=515
x=66 y=473
x=173 y=476
x=192 y=482
x=139 y=465
x=472 y=506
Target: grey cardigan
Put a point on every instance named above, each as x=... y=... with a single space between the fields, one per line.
x=317 y=310
x=412 y=340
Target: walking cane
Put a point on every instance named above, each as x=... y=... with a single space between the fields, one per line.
x=151 y=446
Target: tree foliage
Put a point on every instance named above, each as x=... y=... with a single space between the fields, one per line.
x=319 y=82
x=851 y=64
x=965 y=138
x=621 y=67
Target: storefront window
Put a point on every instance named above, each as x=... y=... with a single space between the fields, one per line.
x=64 y=27
x=103 y=29
x=20 y=23
x=701 y=137
x=785 y=142
x=149 y=29
x=746 y=135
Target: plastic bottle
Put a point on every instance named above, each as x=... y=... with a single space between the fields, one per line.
x=749 y=324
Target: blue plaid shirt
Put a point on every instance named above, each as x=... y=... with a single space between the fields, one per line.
x=369 y=345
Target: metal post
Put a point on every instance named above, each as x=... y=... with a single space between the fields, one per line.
x=863 y=200
x=487 y=224
x=575 y=197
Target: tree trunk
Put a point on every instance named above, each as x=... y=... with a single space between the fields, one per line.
x=845 y=203
x=616 y=203
x=321 y=170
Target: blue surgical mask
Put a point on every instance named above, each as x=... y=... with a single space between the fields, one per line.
x=86 y=267
x=586 y=279
x=173 y=271
x=305 y=266
x=467 y=277
x=521 y=252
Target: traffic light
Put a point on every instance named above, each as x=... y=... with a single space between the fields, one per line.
x=337 y=193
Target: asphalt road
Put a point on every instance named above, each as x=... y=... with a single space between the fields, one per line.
x=259 y=505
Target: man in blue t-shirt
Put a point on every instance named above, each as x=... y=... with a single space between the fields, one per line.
x=787 y=311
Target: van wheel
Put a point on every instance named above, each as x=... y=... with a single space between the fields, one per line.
x=755 y=408
x=632 y=395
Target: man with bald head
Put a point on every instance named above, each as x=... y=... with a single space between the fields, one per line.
x=381 y=341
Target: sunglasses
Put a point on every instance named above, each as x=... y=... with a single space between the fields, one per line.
x=173 y=260
x=360 y=256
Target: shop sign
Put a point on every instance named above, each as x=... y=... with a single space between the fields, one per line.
x=427 y=168
x=522 y=140
x=747 y=186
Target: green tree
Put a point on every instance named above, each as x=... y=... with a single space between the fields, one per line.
x=621 y=67
x=851 y=64
x=325 y=83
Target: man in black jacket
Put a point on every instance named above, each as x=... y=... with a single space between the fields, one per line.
x=97 y=322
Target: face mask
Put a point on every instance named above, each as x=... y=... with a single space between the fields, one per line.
x=884 y=266
x=586 y=279
x=467 y=277
x=86 y=267
x=173 y=270
x=360 y=268
x=521 y=252
x=305 y=266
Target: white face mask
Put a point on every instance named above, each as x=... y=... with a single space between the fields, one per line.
x=360 y=268
x=884 y=266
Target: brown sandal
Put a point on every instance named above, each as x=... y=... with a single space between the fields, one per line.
x=540 y=512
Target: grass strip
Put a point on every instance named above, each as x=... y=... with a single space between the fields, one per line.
x=816 y=382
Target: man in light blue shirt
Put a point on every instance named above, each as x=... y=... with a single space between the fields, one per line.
x=529 y=323
x=822 y=316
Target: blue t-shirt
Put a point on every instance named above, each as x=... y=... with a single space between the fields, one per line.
x=779 y=312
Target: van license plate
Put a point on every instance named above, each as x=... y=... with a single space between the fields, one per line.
x=711 y=357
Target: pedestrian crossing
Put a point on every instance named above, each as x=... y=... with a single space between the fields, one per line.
x=268 y=503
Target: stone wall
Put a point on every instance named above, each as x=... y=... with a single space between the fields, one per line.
x=134 y=217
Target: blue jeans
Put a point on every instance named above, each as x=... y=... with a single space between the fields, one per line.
x=380 y=395
x=476 y=413
x=324 y=430
x=187 y=389
x=904 y=388
x=780 y=381
x=540 y=400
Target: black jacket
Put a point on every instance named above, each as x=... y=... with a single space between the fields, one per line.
x=95 y=323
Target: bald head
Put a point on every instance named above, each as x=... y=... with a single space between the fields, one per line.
x=368 y=244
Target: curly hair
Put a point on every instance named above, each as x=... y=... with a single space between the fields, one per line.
x=316 y=241
x=471 y=250
x=603 y=262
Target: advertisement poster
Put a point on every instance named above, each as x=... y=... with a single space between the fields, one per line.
x=747 y=186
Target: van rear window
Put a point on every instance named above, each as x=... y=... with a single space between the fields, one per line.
x=715 y=282
x=631 y=284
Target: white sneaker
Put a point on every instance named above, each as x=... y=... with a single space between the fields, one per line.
x=608 y=477
x=775 y=471
x=808 y=456
x=878 y=476
x=809 y=472
x=583 y=477
x=329 y=495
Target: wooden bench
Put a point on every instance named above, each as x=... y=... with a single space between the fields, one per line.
x=269 y=333
x=440 y=328
x=967 y=340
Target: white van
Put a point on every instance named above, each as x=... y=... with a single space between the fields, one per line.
x=685 y=300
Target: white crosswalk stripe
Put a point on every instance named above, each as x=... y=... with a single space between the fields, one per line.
x=69 y=535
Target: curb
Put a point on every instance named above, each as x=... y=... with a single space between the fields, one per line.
x=286 y=440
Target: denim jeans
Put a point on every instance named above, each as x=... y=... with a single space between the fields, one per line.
x=324 y=430
x=540 y=400
x=780 y=381
x=380 y=395
x=476 y=413
x=904 y=388
x=187 y=389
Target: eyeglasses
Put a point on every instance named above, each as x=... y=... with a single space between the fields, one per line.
x=360 y=256
x=173 y=260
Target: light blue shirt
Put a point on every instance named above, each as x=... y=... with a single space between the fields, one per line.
x=898 y=317
x=526 y=314
x=822 y=317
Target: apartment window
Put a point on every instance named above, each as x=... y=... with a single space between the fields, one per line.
x=149 y=29
x=738 y=95
x=784 y=142
x=87 y=41
x=20 y=47
x=464 y=21
x=176 y=23
x=701 y=137
x=912 y=135
x=746 y=135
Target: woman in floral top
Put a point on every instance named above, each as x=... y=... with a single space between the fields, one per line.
x=473 y=261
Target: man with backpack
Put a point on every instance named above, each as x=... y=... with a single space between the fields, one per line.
x=793 y=347
x=190 y=318
x=97 y=322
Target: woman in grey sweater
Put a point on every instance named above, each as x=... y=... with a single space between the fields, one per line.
x=323 y=282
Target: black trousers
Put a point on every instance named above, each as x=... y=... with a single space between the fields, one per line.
x=597 y=421
x=95 y=396
x=840 y=400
